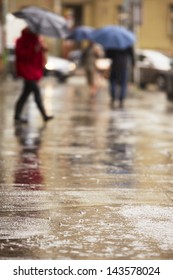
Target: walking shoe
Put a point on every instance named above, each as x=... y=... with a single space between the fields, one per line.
x=48 y=118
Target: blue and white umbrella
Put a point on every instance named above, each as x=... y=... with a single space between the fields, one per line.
x=113 y=37
x=42 y=21
x=80 y=33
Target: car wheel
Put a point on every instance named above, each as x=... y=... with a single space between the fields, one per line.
x=61 y=78
x=45 y=73
x=161 y=82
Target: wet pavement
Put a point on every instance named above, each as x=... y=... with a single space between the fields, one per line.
x=94 y=183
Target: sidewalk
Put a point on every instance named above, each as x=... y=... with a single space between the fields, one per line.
x=94 y=183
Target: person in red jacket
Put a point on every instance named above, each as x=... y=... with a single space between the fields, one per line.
x=30 y=60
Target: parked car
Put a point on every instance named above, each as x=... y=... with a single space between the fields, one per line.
x=59 y=67
x=152 y=68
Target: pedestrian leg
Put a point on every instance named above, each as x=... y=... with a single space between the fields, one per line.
x=112 y=89
x=123 y=91
x=39 y=102
x=90 y=73
x=21 y=101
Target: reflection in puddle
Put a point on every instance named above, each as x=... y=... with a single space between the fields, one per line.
x=28 y=167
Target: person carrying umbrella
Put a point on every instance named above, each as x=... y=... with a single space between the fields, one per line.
x=89 y=56
x=119 y=72
x=30 y=60
x=118 y=44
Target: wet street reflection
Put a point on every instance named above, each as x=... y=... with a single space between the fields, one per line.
x=27 y=170
x=95 y=183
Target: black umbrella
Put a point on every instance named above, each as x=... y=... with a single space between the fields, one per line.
x=42 y=21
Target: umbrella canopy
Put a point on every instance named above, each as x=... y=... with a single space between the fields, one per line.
x=113 y=37
x=80 y=33
x=44 y=22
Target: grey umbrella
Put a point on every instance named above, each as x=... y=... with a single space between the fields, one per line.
x=42 y=21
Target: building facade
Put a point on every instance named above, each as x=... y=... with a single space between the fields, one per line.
x=151 y=20
x=156 y=31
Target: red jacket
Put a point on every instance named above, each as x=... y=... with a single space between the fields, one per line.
x=29 y=56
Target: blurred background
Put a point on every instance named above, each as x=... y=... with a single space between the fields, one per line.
x=150 y=20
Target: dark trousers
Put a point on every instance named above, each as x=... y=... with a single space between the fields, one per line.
x=123 y=84
x=28 y=88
